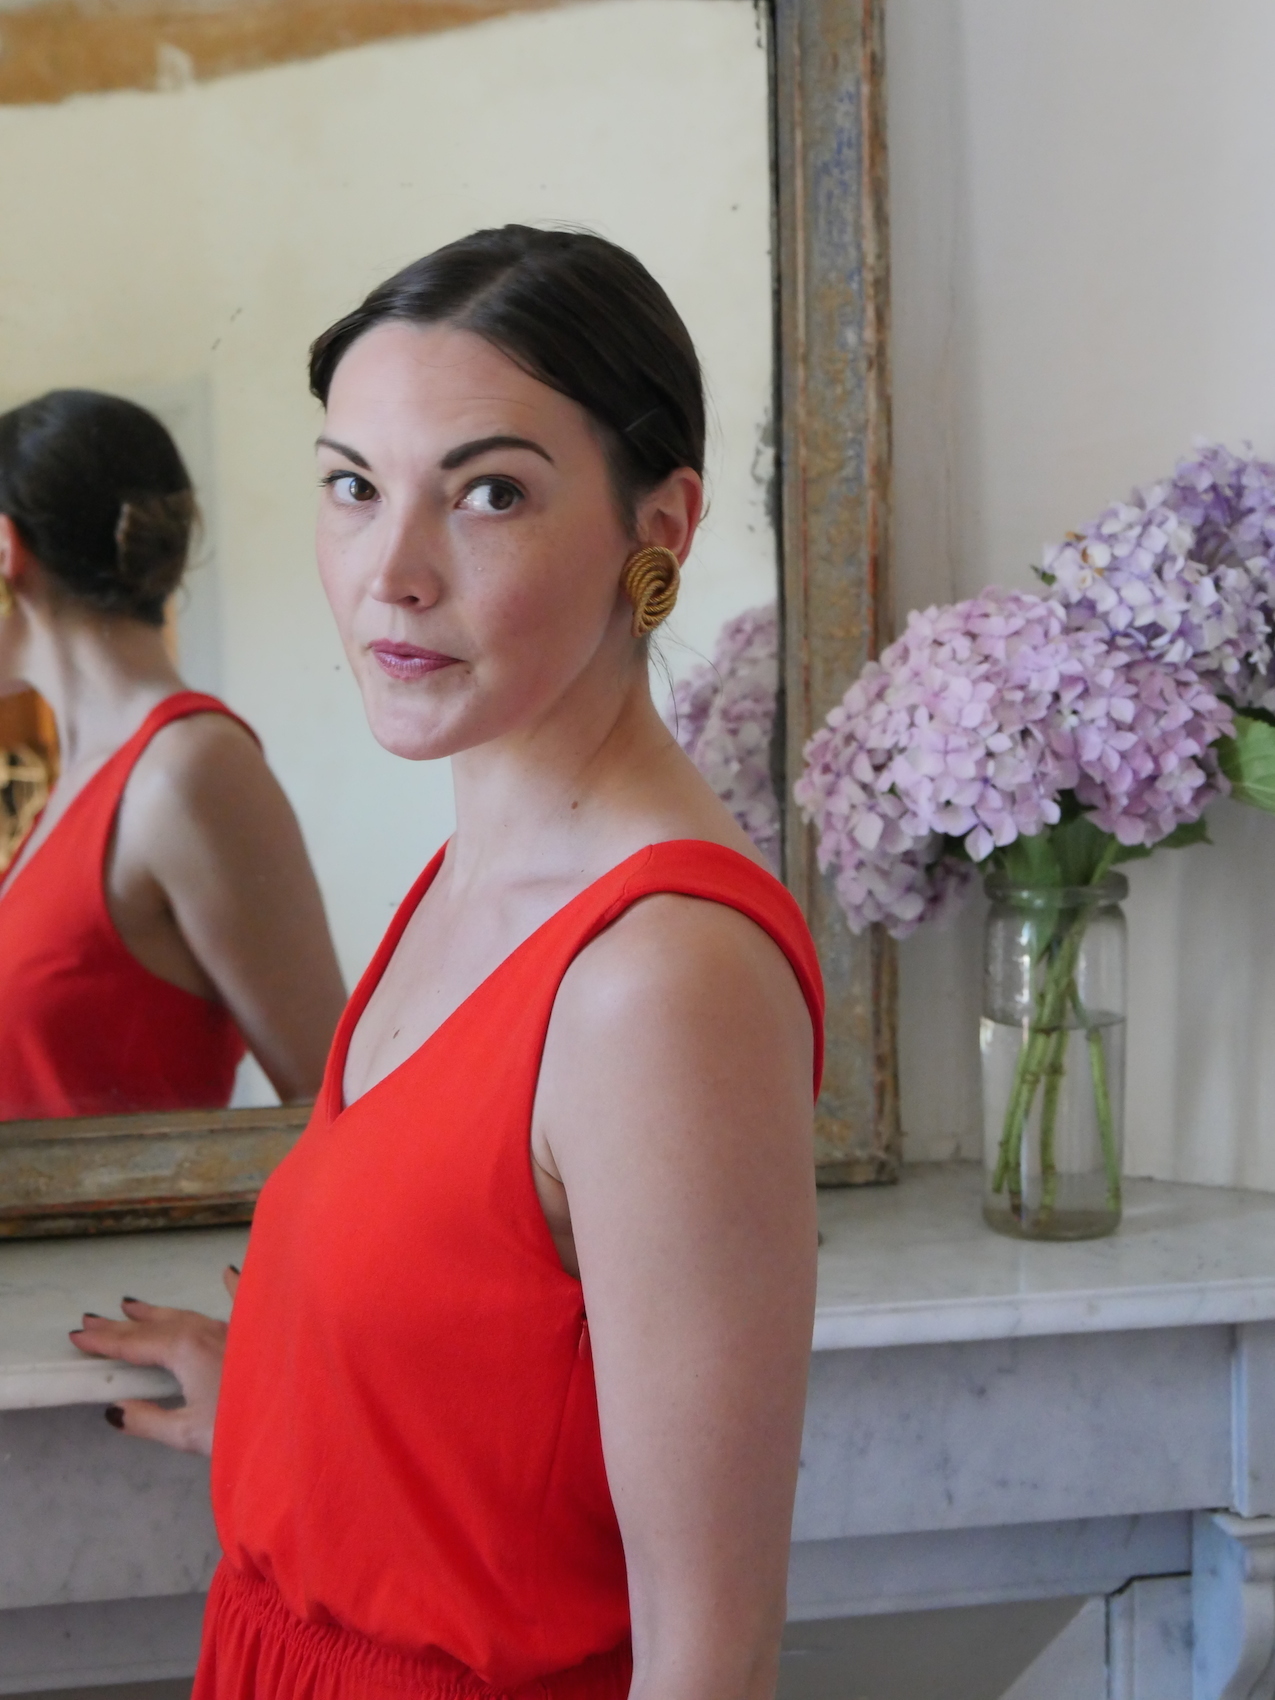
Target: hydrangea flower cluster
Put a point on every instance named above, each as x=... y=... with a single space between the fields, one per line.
x=967 y=732
x=1184 y=571
x=723 y=716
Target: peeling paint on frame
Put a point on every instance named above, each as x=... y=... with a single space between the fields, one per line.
x=834 y=467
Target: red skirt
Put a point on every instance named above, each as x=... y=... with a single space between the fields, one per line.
x=255 y=1648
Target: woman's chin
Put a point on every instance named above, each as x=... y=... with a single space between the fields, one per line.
x=410 y=744
x=415 y=735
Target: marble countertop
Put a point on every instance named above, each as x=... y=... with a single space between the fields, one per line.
x=46 y=1284
x=905 y=1265
x=916 y=1265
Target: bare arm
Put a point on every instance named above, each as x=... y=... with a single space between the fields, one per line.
x=210 y=886
x=675 y=1104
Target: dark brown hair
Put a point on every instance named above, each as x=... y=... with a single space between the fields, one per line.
x=100 y=495
x=576 y=312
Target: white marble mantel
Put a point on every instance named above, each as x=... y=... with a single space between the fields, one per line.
x=46 y=1284
x=916 y=1265
x=987 y=1420
x=899 y=1266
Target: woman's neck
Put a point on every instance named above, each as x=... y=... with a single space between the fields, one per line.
x=562 y=793
x=100 y=674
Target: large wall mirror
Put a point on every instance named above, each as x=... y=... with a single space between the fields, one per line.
x=202 y=188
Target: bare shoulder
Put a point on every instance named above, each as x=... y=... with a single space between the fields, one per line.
x=675 y=1086
x=694 y=972
x=201 y=757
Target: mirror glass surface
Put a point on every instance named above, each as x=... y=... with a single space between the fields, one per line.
x=182 y=247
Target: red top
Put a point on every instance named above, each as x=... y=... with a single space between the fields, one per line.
x=407 y=1447
x=85 y=1029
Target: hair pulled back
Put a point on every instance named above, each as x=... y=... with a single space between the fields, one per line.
x=575 y=311
x=100 y=495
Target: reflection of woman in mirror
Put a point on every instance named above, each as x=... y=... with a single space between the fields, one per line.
x=514 y=1388
x=162 y=910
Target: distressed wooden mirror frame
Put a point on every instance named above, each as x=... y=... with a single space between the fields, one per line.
x=832 y=496
x=833 y=381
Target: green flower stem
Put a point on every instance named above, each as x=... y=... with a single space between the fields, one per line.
x=1042 y=1058
x=1055 y=1069
x=1102 y=1103
x=1034 y=1057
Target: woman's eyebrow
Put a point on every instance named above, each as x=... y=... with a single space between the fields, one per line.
x=343 y=449
x=480 y=445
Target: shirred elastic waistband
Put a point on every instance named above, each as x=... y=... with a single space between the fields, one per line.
x=242 y=1605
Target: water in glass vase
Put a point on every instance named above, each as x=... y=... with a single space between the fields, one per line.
x=1051 y=1128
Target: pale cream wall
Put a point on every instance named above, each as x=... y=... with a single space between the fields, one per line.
x=1083 y=213
x=186 y=247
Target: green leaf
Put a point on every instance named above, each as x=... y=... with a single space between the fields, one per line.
x=1248 y=760
x=1032 y=861
x=1080 y=847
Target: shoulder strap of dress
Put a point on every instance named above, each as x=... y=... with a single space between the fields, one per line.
x=692 y=867
x=90 y=816
x=101 y=796
x=180 y=706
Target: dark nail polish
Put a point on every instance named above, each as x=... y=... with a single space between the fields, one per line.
x=114 y=1415
x=96 y=1315
x=235 y=1269
x=130 y=1300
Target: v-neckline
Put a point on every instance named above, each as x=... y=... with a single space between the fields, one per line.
x=334 y=1086
x=336 y=1106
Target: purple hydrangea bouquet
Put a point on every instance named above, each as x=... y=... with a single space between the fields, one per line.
x=1044 y=739
x=723 y=716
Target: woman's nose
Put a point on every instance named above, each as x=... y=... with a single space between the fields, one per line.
x=405 y=573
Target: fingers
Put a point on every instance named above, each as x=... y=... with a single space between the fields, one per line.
x=230 y=1280
x=133 y=1342
x=149 y=1334
x=143 y=1420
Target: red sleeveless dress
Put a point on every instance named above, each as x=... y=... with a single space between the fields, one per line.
x=85 y=1029
x=407 y=1473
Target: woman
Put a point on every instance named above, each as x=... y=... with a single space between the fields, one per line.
x=162 y=911
x=518 y=1362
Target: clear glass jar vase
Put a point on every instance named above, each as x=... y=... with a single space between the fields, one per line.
x=1053 y=1049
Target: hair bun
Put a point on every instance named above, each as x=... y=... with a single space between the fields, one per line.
x=152 y=537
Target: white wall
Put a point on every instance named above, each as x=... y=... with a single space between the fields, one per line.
x=185 y=247
x=1083 y=207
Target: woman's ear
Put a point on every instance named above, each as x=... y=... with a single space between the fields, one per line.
x=670 y=514
x=14 y=555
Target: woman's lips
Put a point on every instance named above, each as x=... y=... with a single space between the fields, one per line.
x=406 y=661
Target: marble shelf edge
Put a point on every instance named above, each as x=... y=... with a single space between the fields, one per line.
x=1100 y=1311
x=53 y=1383
x=46 y=1386
x=907 y=1267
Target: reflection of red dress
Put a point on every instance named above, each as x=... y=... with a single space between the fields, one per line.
x=84 y=1028
x=407 y=1473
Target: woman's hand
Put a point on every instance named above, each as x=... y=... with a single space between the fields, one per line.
x=187 y=1344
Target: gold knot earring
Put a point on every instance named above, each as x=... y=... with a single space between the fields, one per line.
x=6 y=598
x=651 y=581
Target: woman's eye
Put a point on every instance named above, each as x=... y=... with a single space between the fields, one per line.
x=349 y=489
x=491 y=496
